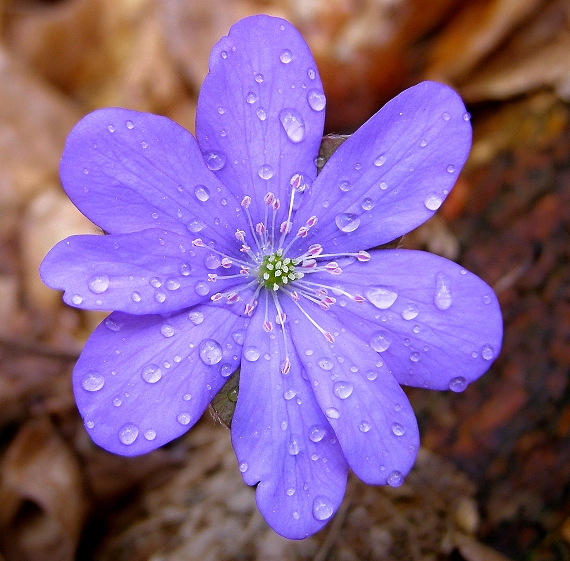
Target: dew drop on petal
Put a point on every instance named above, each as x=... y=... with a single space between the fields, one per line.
x=210 y=352
x=382 y=297
x=446 y=116
x=99 y=283
x=112 y=324
x=251 y=98
x=371 y=375
x=172 y=284
x=433 y=201
x=487 y=352
x=286 y=56
x=466 y=117
x=261 y=113
x=345 y=186
x=150 y=434
x=195 y=226
x=251 y=354
x=311 y=73
x=342 y=389
x=395 y=479
x=379 y=161
x=238 y=337
x=265 y=172
x=423 y=143
x=410 y=311
x=201 y=288
x=316 y=433
x=367 y=204
x=243 y=467
x=155 y=282
x=316 y=99
x=322 y=508
x=196 y=317
x=77 y=299
x=457 y=384
x=202 y=192
x=442 y=298
x=159 y=296
x=226 y=370
x=129 y=124
x=184 y=418
x=290 y=492
x=380 y=341
x=332 y=413
x=93 y=381
x=128 y=433
x=398 y=429
x=289 y=394
x=293 y=124
x=167 y=330
x=294 y=447
x=347 y=221
x=415 y=356
x=325 y=363
x=364 y=426
x=259 y=78
x=117 y=402
x=136 y=296
x=450 y=168
x=151 y=373
x=215 y=160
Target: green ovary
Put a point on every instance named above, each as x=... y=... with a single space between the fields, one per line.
x=276 y=271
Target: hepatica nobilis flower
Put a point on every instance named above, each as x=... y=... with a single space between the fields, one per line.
x=228 y=251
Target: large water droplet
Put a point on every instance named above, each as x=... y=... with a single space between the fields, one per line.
x=195 y=226
x=364 y=426
x=410 y=311
x=347 y=221
x=172 y=284
x=201 y=288
x=286 y=56
x=316 y=99
x=379 y=161
x=289 y=394
x=442 y=297
x=99 y=283
x=167 y=330
x=128 y=433
x=151 y=373
x=136 y=296
x=433 y=201
x=93 y=381
x=380 y=341
x=251 y=98
x=317 y=433
x=251 y=354
x=322 y=508
x=381 y=296
x=150 y=434
x=184 y=418
x=487 y=352
x=398 y=429
x=196 y=317
x=345 y=186
x=332 y=413
x=415 y=356
x=112 y=324
x=395 y=479
x=202 y=192
x=293 y=124
x=210 y=351
x=457 y=384
x=325 y=363
x=265 y=172
x=215 y=160
x=155 y=282
x=367 y=204
x=342 y=389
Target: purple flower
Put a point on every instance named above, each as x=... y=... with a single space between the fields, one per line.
x=228 y=250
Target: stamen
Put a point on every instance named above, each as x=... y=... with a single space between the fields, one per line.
x=326 y=334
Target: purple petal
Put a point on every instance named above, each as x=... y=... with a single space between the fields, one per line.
x=148 y=272
x=434 y=324
x=142 y=381
x=367 y=409
x=393 y=172
x=129 y=171
x=261 y=110
x=282 y=440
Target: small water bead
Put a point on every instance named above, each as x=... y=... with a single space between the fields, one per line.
x=395 y=479
x=347 y=222
x=128 y=433
x=410 y=311
x=89 y=424
x=398 y=429
x=210 y=352
x=364 y=426
x=380 y=341
x=265 y=172
x=195 y=226
x=224 y=54
x=345 y=186
x=380 y=160
x=446 y=116
x=316 y=99
x=289 y=394
x=286 y=56
x=243 y=467
x=457 y=384
x=215 y=161
x=294 y=446
x=150 y=434
x=358 y=166
x=317 y=433
x=450 y=168
x=311 y=73
x=380 y=296
x=144 y=144
x=221 y=110
x=261 y=113
x=202 y=193
x=487 y=352
x=293 y=124
x=367 y=204
x=486 y=299
x=212 y=261
x=77 y=299
x=92 y=381
x=371 y=375
x=99 y=283
x=167 y=330
x=433 y=201
x=443 y=297
x=226 y=370
x=155 y=282
x=383 y=186
x=251 y=98
x=183 y=418
x=111 y=128
x=117 y=402
x=290 y=492
x=343 y=389
x=187 y=397
x=259 y=78
x=251 y=354
x=238 y=337
x=136 y=296
x=322 y=508
x=332 y=413
x=201 y=288
x=296 y=515
x=423 y=143
x=415 y=356
x=151 y=373
x=185 y=269
x=172 y=284
x=159 y=296
x=129 y=124
x=325 y=363
x=466 y=117
x=112 y=324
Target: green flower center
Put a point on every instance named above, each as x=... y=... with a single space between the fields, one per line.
x=276 y=270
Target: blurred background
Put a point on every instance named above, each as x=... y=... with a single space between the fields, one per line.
x=492 y=480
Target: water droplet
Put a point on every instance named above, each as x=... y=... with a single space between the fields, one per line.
x=210 y=351
x=243 y=467
x=486 y=299
x=286 y=56
x=99 y=283
x=151 y=373
x=446 y=116
x=395 y=479
x=293 y=124
x=289 y=394
x=184 y=418
x=383 y=186
x=410 y=311
x=358 y=167
x=382 y=297
x=195 y=226
x=322 y=508
x=290 y=492
x=487 y=352
x=433 y=201
x=379 y=161
x=159 y=296
x=367 y=204
x=332 y=413
x=259 y=78
x=187 y=397
x=93 y=381
x=111 y=128
x=117 y=402
x=364 y=426
x=398 y=429
x=415 y=356
x=311 y=74
x=347 y=221
x=317 y=433
x=325 y=363
x=265 y=172
x=226 y=370
x=172 y=284
x=345 y=186
x=423 y=143
x=202 y=193
x=380 y=341
x=150 y=434
x=457 y=384
x=129 y=124
x=128 y=433
x=251 y=98
x=112 y=324
x=238 y=337
x=261 y=113
x=167 y=330
x=294 y=446
x=155 y=282
x=342 y=389
x=251 y=354
x=316 y=99
x=77 y=299
x=144 y=144
x=201 y=288
x=372 y=375
x=450 y=168
x=466 y=117
x=196 y=317
x=442 y=297
x=296 y=515
x=224 y=54
x=215 y=160
x=136 y=296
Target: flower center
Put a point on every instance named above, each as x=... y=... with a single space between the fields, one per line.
x=276 y=271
